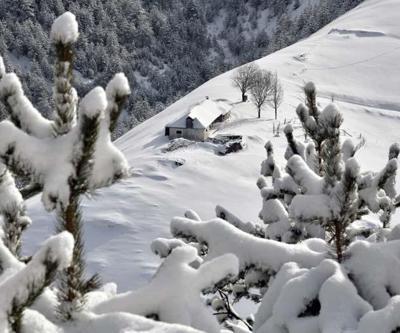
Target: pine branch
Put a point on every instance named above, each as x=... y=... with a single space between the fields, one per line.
x=229 y=311
x=14 y=223
x=288 y=130
x=346 y=197
x=73 y=284
x=311 y=100
x=12 y=209
x=64 y=94
x=117 y=92
x=89 y=131
x=22 y=113
x=386 y=174
x=35 y=288
x=116 y=110
x=332 y=161
x=26 y=283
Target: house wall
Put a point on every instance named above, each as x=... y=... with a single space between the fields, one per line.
x=188 y=133
x=196 y=134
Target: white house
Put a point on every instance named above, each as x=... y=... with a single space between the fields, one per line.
x=196 y=125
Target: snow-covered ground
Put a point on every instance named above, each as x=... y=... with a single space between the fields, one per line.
x=353 y=60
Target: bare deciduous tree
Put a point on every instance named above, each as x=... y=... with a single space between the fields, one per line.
x=244 y=78
x=276 y=94
x=261 y=89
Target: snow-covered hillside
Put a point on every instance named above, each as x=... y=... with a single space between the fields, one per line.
x=354 y=60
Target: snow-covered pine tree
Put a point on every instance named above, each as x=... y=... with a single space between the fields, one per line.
x=58 y=163
x=325 y=282
x=301 y=181
x=67 y=157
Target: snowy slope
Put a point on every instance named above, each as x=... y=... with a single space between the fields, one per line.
x=353 y=60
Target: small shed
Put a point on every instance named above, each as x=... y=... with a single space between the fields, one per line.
x=199 y=120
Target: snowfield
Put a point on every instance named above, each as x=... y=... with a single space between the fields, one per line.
x=354 y=61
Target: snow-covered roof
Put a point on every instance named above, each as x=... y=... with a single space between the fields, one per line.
x=204 y=113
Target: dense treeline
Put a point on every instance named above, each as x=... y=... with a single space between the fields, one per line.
x=165 y=47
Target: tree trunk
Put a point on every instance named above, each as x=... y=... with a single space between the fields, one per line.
x=244 y=97
x=318 y=149
x=338 y=241
x=259 y=113
x=276 y=113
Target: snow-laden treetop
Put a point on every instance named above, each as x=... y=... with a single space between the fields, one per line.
x=94 y=103
x=65 y=29
x=118 y=86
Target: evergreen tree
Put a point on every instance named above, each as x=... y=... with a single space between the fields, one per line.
x=72 y=167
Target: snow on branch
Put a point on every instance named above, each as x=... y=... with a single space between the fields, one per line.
x=173 y=295
x=294 y=147
x=375 y=267
x=385 y=320
x=305 y=177
x=94 y=103
x=12 y=209
x=274 y=214
x=51 y=161
x=249 y=227
x=9 y=264
x=22 y=112
x=64 y=32
x=331 y=297
x=163 y=247
x=65 y=29
x=221 y=237
x=371 y=184
x=268 y=166
x=117 y=92
x=22 y=288
x=320 y=299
